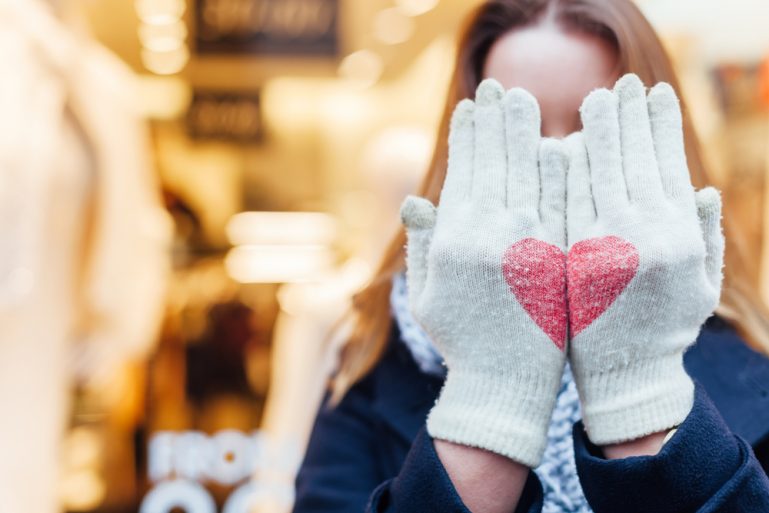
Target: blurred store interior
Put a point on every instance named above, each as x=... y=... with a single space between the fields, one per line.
x=227 y=175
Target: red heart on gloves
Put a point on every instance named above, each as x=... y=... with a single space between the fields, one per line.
x=536 y=274
x=597 y=271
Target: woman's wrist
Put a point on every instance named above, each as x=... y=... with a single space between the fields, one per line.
x=485 y=481
x=649 y=445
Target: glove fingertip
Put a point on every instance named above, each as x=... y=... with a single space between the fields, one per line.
x=490 y=92
x=597 y=104
x=417 y=213
x=663 y=96
x=708 y=202
x=554 y=151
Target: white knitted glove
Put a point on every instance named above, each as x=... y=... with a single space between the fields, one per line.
x=644 y=266
x=486 y=275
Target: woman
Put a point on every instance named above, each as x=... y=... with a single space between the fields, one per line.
x=519 y=269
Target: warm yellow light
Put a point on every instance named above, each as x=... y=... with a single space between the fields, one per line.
x=397 y=152
x=363 y=67
x=392 y=26
x=278 y=264
x=164 y=37
x=83 y=491
x=82 y=448
x=295 y=228
x=327 y=291
x=160 y=11
x=166 y=63
x=416 y=7
x=163 y=97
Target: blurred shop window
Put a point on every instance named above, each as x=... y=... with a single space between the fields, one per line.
x=744 y=148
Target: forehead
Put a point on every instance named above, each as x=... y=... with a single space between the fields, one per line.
x=559 y=67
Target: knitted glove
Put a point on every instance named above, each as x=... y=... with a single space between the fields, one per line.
x=486 y=276
x=644 y=266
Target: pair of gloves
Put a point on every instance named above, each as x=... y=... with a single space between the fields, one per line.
x=595 y=248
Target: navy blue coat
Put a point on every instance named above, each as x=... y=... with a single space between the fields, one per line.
x=372 y=454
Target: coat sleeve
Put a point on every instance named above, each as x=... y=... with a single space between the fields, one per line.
x=703 y=468
x=339 y=473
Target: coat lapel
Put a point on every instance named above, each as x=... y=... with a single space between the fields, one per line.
x=735 y=377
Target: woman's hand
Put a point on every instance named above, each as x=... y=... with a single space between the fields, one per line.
x=644 y=266
x=486 y=276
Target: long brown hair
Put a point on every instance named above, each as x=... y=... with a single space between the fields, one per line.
x=641 y=52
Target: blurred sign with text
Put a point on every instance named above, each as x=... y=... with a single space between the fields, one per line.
x=256 y=468
x=299 y=28
x=225 y=116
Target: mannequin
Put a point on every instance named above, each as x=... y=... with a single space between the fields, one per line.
x=79 y=218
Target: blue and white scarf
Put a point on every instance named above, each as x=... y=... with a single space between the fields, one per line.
x=558 y=471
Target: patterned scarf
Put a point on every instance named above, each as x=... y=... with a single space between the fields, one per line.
x=558 y=471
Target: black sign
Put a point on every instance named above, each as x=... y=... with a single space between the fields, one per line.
x=267 y=27
x=226 y=116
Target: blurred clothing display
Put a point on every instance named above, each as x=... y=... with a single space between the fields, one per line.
x=83 y=237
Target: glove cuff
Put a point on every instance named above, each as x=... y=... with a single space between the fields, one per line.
x=507 y=415
x=628 y=402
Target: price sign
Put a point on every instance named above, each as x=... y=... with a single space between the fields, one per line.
x=267 y=27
